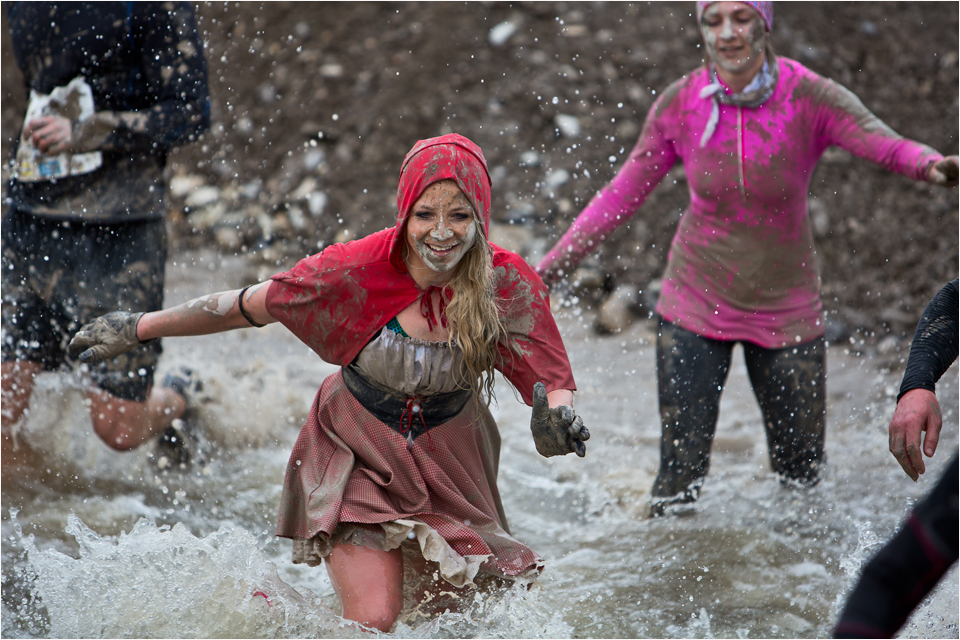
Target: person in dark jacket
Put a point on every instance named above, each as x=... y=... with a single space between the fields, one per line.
x=113 y=87
x=906 y=569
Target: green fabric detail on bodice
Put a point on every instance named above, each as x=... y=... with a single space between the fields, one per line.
x=394 y=326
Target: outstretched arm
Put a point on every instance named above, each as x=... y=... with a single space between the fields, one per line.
x=118 y=332
x=213 y=313
x=843 y=120
x=650 y=160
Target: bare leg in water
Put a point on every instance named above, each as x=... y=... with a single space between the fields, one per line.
x=368 y=582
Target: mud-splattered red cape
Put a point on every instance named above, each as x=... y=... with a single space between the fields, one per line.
x=337 y=300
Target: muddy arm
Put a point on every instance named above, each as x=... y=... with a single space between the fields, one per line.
x=119 y=332
x=651 y=159
x=213 y=313
x=843 y=120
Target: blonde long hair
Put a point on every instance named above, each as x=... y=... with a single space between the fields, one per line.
x=474 y=317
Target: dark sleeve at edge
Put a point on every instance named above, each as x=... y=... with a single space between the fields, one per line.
x=934 y=346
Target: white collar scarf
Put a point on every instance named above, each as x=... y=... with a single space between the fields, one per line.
x=753 y=95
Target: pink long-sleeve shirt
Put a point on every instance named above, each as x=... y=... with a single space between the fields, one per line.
x=742 y=265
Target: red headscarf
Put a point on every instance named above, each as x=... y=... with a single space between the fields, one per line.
x=449 y=157
x=337 y=300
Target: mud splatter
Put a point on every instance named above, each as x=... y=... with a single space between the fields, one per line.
x=216 y=303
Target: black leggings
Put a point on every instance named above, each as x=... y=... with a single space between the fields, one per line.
x=790 y=387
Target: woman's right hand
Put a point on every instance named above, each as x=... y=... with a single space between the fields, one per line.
x=917 y=417
x=106 y=337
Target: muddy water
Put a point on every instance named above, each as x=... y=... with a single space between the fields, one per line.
x=97 y=544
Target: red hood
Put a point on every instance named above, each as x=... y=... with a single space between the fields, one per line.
x=449 y=157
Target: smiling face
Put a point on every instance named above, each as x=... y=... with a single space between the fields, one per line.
x=440 y=230
x=735 y=36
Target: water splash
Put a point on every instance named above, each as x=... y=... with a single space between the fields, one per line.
x=518 y=611
x=166 y=582
x=161 y=581
x=867 y=539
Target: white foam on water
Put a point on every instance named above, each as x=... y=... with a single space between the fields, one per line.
x=519 y=611
x=159 y=581
x=166 y=582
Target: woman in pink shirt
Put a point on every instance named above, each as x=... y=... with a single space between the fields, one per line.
x=749 y=128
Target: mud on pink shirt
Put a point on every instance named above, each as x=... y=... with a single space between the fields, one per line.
x=742 y=265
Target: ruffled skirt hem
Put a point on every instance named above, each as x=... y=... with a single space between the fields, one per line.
x=458 y=570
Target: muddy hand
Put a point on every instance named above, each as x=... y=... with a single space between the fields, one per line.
x=106 y=337
x=945 y=172
x=916 y=417
x=557 y=431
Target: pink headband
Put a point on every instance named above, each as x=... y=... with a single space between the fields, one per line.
x=765 y=9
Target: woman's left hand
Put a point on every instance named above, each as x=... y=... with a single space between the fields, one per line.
x=557 y=431
x=944 y=172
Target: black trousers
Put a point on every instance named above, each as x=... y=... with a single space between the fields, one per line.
x=789 y=385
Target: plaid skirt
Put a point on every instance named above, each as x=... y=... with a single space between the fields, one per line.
x=352 y=478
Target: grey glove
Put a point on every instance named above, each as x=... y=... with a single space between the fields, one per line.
x=557 y=431
x=106 y=337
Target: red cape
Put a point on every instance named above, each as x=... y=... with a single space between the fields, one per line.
x=337 y=300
